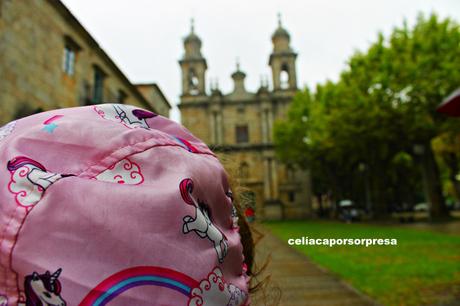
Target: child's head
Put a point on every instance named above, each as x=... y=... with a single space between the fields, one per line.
x=114 y=203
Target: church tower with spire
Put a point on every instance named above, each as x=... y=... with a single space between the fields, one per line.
x=282 y=60
x=193 y=66
x=193 y=70
x=238 y=126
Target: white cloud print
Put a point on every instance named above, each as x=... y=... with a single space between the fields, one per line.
x=123 y=172
x=215 y=291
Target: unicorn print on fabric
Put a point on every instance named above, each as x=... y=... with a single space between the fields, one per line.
x=213 y=290
x=123 y=172
x=202 y=224
x=128 y=115
x=43 y=290
x=29 y=180
x=7 y=130
x=3 y=300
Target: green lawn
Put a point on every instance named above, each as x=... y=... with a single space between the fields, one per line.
x=424 y=268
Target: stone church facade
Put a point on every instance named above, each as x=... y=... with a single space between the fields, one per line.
x=239 y=126
x=49 y=60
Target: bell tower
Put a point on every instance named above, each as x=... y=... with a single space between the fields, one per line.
x=282 y=60
x=193 y=66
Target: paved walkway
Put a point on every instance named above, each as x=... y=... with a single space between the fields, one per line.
x=296 y=281
x=452 y=227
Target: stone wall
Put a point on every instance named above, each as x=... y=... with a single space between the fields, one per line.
x=33 y=35
x=155 y=97
x=196 y=119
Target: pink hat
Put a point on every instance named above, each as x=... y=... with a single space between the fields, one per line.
x=111 y=203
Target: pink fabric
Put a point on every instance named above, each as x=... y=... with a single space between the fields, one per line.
x=110 y=204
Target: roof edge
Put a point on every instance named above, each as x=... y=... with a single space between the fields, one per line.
x=159 y=90
x=73 y=21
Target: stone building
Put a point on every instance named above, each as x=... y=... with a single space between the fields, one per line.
x=239 y=125
x=48 y=60
x=155 y=96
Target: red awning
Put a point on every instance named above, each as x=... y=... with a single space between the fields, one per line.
x=451 y=105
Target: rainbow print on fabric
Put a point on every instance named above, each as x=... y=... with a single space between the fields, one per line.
x=138 y=276
x=185 y=144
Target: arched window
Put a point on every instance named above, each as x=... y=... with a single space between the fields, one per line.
x=193 y=82
x=244 y=170
x=284 y=76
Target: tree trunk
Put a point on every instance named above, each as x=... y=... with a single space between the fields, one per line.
x=452 y=163
x=379 y=206
x=432 y=183
x=320 y=205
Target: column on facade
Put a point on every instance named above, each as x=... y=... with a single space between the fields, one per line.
x=212 y=126
x=274 y=177
x=264 y=125
x=267 y=179
x=270 y=124
x=219 y=127
x=267 y=120
x=216 y=120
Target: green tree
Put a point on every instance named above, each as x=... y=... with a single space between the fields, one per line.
x=425 y=68
x=381 y=109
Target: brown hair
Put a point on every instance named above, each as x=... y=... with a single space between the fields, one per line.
x=250 y=237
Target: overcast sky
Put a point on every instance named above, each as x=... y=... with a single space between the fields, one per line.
x=144 y=37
